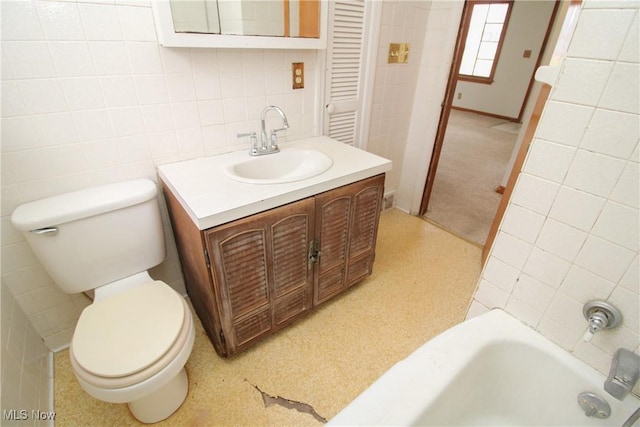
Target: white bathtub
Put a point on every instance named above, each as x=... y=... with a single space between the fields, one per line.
x=488 y=371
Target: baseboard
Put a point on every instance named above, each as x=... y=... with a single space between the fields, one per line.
x=484 y=113
x=50 y=385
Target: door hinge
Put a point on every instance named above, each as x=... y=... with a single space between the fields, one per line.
x=206 y=258
x=222 y=340
x=314 y=251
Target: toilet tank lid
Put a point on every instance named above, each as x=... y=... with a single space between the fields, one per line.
x=85 y=203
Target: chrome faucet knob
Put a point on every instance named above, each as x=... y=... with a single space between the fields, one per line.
x=253 y=141
x=600 y=315
x=597 y=320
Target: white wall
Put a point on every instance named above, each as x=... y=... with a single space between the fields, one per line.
x=433 y=73
x=571 y=231
x=90 y=97
x=394 y=86
x=27 y=367
x=504 y=97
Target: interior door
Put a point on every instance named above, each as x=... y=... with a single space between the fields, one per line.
x=345 y=55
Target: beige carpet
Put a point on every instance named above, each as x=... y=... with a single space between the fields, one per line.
x=422 y=282
x=474 y=158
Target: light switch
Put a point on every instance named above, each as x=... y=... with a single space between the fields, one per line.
x=398 y=53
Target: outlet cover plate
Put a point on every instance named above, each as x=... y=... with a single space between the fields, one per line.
x=298 y=75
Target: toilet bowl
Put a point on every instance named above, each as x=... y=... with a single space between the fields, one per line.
x=118 y=358
x=132 y=343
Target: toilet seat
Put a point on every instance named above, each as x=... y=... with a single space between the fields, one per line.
x=129 y=337
x=121 y=382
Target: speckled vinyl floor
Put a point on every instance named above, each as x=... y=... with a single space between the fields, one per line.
x=422 y=282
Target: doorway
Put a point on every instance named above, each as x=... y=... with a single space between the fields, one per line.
x=474 y=157
x=474 y=145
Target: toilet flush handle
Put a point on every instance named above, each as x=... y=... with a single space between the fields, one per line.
x=49 y=231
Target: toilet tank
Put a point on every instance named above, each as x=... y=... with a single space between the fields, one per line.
x=92 y=237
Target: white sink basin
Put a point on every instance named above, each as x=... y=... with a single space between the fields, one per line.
x=278 y=168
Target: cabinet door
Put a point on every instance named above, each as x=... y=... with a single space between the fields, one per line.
x=261 y=271
x=367 y=204
x=346 y=228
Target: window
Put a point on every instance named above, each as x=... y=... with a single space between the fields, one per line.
x=486 y=27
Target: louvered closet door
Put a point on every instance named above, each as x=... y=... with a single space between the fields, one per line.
x=344 y=70
x=261 y=271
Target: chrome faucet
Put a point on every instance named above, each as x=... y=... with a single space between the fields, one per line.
x=271 y=145
x=624 y=373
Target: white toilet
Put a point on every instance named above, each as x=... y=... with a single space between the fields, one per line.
x=131 y=344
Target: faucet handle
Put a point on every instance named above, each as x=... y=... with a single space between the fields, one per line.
x=274 y=137
x=253 y=140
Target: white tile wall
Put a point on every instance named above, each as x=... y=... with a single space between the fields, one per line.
x=401 y=22
x=27 y=366
x=90 y=97
x=579 y=192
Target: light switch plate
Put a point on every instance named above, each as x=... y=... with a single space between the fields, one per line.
x=398 y=53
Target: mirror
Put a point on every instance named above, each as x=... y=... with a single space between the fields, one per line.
x=280 y=18
x=190 y=16
x=293 y=24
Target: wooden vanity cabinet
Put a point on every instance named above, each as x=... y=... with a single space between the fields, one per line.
x=252 y=276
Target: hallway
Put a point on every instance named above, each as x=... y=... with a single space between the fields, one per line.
x=474 y=158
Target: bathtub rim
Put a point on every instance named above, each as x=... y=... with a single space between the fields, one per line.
x=432 y=361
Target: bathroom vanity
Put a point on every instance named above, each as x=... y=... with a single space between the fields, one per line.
x=257 y=256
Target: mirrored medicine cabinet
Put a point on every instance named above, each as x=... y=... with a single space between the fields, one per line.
x=278 y=24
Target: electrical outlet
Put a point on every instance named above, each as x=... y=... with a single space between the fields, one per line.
x=459 y=95
x=298 y=75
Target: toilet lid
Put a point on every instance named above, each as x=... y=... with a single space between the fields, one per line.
x=127 y=332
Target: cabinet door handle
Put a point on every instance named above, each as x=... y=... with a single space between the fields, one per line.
x=314 y=252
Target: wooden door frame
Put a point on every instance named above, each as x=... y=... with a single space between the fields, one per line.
x=515 y=170
x=565 y=33
x=444 y=119
x=446 y=108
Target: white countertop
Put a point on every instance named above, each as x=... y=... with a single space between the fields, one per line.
x=211 y=198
